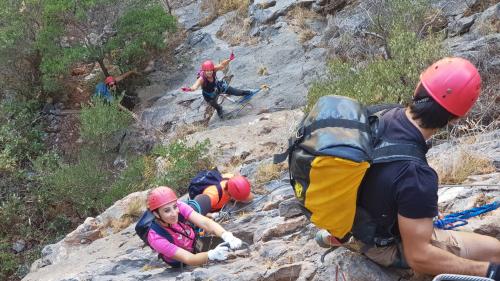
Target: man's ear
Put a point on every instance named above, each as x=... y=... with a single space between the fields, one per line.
x=453 y=120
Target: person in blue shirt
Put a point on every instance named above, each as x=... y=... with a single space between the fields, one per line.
x=108 y=89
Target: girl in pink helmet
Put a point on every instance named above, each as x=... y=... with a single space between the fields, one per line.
x=176 y=219
x=211 y=86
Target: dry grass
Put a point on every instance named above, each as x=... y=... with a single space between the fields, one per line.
x=268 y=172
x=479 y=6
x=217 y=8
x=263 y=70
x=134 y=211
x=181 y=132
x=235 y=31
x=298 y=18
x=465 y=163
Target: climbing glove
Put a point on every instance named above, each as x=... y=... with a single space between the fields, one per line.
x=234 y=242
x=219 y=253
x=231 y=56
x=186 y=89
x=493 y=271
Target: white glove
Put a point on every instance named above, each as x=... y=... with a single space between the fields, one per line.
x=234 y=242
x=218 y=254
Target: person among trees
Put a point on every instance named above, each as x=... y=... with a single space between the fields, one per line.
x=211 y=87
x=178 y=219
x=401 y=196
x=108 y=89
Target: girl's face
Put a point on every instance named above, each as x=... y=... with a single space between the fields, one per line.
x=209 y=73
x=169 y=213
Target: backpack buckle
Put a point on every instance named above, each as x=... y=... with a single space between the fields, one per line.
x=300 y=133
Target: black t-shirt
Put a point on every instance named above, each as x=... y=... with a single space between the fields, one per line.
x=406 y=187
x=208 y=86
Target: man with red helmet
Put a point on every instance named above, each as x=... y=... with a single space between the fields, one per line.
x=399 y=199
x=108 y=89
x=162 y=202
x=235 y=187
x=211 y=86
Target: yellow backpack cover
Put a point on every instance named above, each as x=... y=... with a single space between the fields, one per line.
x=329 y=154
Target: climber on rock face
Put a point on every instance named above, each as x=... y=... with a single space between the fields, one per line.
x=108 y=89
x=211 y=87
x=219 y=189
x=177 y=219
x=400 y=198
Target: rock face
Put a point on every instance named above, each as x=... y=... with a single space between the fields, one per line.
x=281 y=240
x=281 y=244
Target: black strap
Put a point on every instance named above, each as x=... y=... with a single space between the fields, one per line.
x=280 y=157
x=161 y=231
x=331 y=122
x=398 y=151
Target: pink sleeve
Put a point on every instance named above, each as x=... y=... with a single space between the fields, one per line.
x=184 y=209
x=161 y=245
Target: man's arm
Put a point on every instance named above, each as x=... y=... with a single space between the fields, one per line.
x=423 y=257
x=125 y=75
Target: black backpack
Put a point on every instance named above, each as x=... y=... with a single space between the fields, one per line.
x=147 y=222
x=328 y=156
x=202 y=180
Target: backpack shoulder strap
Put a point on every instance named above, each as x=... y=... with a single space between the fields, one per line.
x=387 y=150
x=161 y=231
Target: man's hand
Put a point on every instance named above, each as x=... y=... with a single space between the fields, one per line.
x=186 y=89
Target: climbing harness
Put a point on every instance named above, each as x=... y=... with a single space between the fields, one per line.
x=456 y=277
x=454 y=220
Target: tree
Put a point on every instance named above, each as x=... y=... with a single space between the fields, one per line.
x=19 y=58
x=95 y=30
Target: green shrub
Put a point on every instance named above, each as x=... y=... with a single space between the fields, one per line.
x=140 y=31
x=390 y=80
x=130 y=180
x=20 y=136
x=183 y=162
x=79 y=185
x=102 y=120
x=8 y=260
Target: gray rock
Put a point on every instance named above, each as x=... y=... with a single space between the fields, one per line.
x=453 y=7
x=19 y=246
x=461 y=26
x=486 y=21
x=290 y=208
x=190 y=16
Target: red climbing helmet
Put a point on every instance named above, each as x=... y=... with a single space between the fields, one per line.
x=160 y=196
x=110 y=80
x=208 y=65
x=238 y=187
x=454 y=83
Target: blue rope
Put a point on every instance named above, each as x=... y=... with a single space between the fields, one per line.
x=249 y=96
x=460 y=219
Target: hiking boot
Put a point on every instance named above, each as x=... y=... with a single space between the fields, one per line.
x=326 y=240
